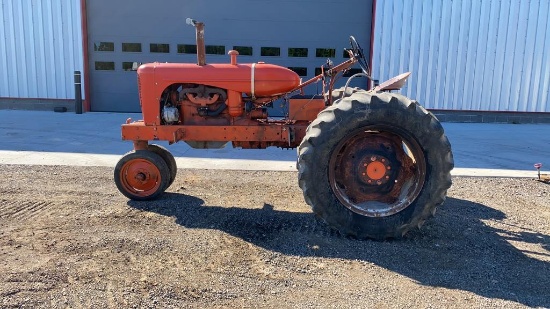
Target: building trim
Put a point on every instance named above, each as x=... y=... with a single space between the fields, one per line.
x=85 y=56
x=371 y=51
x=466 y=116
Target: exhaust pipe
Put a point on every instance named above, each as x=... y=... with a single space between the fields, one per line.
x=201 y=51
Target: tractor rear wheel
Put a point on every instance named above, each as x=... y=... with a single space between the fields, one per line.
x=168 y=158
x=338 y=93
x=375 y=165
x=141 y=175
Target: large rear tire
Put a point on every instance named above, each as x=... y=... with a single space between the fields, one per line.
x=338 y=93
x=375 y=165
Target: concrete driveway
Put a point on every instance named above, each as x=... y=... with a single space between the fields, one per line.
x=93 y=139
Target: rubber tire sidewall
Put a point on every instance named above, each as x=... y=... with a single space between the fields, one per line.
x=168 y=158
x=363 y=109
x=154 y=159
x=338 y=93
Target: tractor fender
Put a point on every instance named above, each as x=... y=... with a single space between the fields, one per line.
x=394 y=83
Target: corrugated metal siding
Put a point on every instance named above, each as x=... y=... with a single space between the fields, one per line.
x=40 y=48
x=489 y=55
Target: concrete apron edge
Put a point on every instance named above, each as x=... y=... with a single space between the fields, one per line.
x=108 y=160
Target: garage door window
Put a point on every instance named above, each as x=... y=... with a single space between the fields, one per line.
x=104 y=66
x=325 y=52
x=104 y=46
x=215 y=49
x=159 y=48
x=301 y=71
x=297 y=52
x=187 y=49
x=131 y=47
x=271 y=51
x=243 y=50
x=127 y=66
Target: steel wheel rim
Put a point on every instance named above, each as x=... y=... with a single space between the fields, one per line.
x=377 y=171
x=140 y=177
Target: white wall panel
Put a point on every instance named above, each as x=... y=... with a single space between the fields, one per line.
x=40 y=48
x=491 y=55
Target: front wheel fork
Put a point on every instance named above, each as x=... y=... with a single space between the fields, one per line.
x=141 y=145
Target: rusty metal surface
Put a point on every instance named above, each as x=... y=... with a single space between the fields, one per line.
x=305 y=109
x=140 y=177
x=264 y=145
x=339 y=68
x=140 y=145
x=200 y=94
x=201 y=51
x=138 y=131
x=371 y=173
x=189 y=115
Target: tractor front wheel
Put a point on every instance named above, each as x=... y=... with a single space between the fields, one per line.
x=168 y=158
x=141 y=175
x=375 y=165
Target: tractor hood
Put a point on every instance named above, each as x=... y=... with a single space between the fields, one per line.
x=253 y=79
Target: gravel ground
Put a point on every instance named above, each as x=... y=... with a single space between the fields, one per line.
x=222 y=239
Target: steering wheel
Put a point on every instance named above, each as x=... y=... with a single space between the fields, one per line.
x=359 y=56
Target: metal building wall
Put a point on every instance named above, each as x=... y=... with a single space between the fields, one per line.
x=40 y=48
x=484 y=55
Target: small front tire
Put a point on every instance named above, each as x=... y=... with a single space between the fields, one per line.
x=141 y=175
x=168 y=158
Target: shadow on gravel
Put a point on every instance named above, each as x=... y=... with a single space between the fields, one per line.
x=455 y=250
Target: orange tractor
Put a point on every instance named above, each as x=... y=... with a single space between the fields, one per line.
x=371 y=163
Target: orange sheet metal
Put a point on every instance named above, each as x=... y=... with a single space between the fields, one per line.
x=174 y=133
x=261 y=78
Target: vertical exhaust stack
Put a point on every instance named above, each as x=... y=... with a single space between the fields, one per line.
x=201 y=51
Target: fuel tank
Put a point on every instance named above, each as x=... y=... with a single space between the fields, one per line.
x=253 y=79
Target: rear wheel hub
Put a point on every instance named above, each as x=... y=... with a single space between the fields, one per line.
x=377 y=171
x=374 y=170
